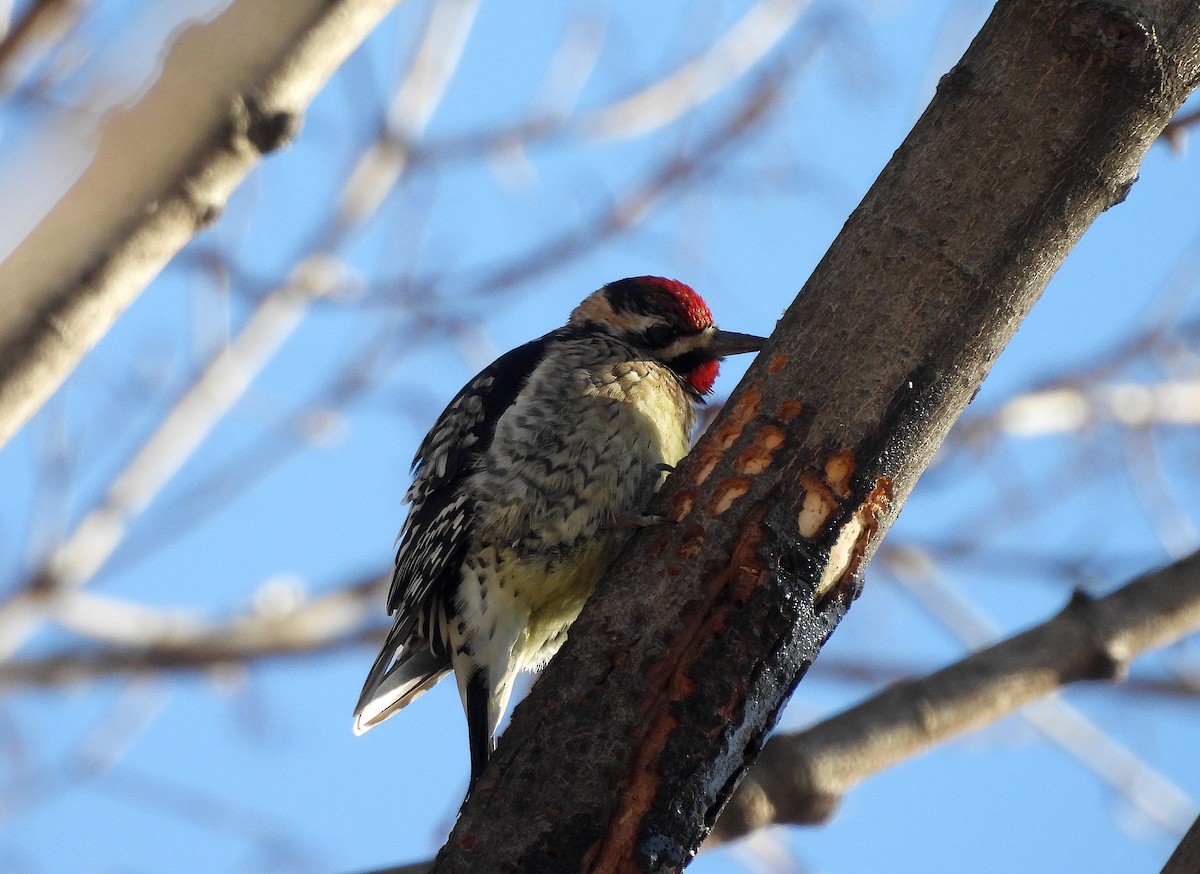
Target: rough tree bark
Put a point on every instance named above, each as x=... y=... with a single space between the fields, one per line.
x=624 y=753
x=196 y=133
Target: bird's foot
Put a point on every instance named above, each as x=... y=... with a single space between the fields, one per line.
x=635 y=523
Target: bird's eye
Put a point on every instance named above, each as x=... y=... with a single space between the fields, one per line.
x=659 y=336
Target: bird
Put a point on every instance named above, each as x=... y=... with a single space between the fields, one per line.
x=521 y=488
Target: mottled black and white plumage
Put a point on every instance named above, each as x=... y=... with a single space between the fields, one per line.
x=517 y=488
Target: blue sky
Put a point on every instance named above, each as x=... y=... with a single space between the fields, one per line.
x=257 y=769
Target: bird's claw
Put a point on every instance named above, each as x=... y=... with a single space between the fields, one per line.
x=636 y=523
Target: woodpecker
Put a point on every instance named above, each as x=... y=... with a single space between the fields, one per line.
x=521 y=487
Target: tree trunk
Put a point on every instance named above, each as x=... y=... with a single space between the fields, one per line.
x=625 y=752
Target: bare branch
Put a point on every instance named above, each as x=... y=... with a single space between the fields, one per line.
x=281 y=623
x=762 y=29
x=43 y=21
x=1175 y=134
x=197 y=131
x=636 y=204
x=740 y=49
x=801 y=777
x=1145 y=788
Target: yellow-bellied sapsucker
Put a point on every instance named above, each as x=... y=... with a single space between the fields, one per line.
x=521 y=485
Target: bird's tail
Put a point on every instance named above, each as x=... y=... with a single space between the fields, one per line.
x=398 y=677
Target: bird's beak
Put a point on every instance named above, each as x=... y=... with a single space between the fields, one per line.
x=732 y=343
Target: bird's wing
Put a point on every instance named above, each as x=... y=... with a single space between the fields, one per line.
x=436 y=533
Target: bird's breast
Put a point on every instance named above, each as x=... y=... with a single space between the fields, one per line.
x=583 y=447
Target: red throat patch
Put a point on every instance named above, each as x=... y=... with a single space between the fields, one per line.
x=702 y=376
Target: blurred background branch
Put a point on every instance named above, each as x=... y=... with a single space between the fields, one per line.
x=196 y=132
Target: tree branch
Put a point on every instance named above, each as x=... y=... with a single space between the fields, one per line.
x=624 y=754
x=140 y=646
x=802 y=777
x=196 y=133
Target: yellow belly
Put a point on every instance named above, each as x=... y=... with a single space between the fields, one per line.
x=553 y=593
